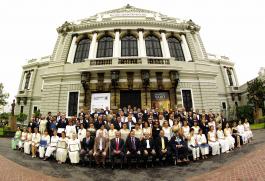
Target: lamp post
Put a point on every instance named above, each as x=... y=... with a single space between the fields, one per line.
x=85 y=80
x=174 y=78
x=115 y=75
x=145 y=75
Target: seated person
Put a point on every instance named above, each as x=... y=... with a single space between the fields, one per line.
x=193 y=145
x=229 y=137
x=87 y=145
x=116 y=148
x=61 y=152
x=202 y=141
x=133 y=148
x=44 y=142
x=179 y=147
x=15 y=140
x=73 y=149
x=241 y=132
x=212 y=141
x=100 y=149
x=52 y=146
x=28 y=141
x=162 y=150
x=22 y=139
x=221 y=139
x=35 y=142
x=148 y=148
x=247 y=130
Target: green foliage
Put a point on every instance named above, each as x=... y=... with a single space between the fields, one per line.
x=245 y=112
x=37 y=114
x=3 y=96
x=21 y=117
x=4 y=116
x=256 y=93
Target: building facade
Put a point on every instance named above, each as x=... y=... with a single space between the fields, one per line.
x=128 y=56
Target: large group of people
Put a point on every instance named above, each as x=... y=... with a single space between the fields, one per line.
x=131 y=135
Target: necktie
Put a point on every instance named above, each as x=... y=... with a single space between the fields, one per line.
x=163 y=143
x=117 y=144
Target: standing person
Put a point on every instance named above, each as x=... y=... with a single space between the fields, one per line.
x=202 y=141
x=87 y=145
x=229 y=137
x=221 y=139
x=92 y=130
x=196 y=128
x=124 y=131
x=43 y=124
x=185 y=129
x=138 y=131
x=35 y=142
x=247 y=130
x=212 y=141
x=22 y=139
x=61 y=151
x=16 y=139
x=73 y=149
x=147 y=128
x=81 y=132
x=44 y=142
x=156 y=130
x=167 y=130
x=100 y=149
x=133 y=148
x=193 y=145
x=112 y=132
x=70 y=129
x=241 y=132
x=28 y=141
x=52 y=146
x=148 y=148
x=116 y=149
x=204 y=126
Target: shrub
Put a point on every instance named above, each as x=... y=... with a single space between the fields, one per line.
x=245 y=112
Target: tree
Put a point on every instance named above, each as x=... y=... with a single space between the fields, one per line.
x=256 y=93
x=3 y=96
x=21 y=118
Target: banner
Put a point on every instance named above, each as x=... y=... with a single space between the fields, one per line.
x=160 y=100
x=100 y=101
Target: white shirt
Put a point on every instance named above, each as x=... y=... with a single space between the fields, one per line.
x=147 y=144
x=70 y=130
x=201 y=139
x=81 y=134
x=54 y=140
x=167 y=132
x=36 y=137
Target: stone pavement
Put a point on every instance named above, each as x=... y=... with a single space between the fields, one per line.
x=245 y=163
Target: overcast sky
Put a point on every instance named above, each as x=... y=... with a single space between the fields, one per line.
x=234 y=28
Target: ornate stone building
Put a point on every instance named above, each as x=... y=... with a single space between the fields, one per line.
x=137 y=57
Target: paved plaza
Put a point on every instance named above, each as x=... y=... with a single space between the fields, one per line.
x=246 y=163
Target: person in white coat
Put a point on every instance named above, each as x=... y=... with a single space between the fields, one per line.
x=73 y=149
x=61 y=152
x=35 y=142
x=81 y=132
x=212 y=141
x=193 y=145
x=221 y=139
x=28 y=141
x=70 y=129
x=52 y=146
x=44 y=142
x=202 y=141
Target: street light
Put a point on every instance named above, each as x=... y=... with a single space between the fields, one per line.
x=174 y=78
x=85 y=80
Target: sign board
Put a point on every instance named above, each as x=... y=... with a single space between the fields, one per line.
x=100 y=101
x=160 y=100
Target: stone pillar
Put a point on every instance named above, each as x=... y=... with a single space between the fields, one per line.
x=116 y=46
x=192 y=47
x=141 y=48
x=185 y=48
x=234 y=77
x=71 y=54
x=198 y=47
x=165 y=47
x=92 y=51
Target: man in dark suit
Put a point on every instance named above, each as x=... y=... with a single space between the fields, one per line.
x=162 y=147
x=133 y=148
x=118 y=123
x=117 y=149
x=148 y=148
x=87 y=145
x=179 y=147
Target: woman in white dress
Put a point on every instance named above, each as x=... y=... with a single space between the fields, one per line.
x=104 y=131
x=247 y=130
x=124 y=132
x=70 y=129
x=147 y=128
x=52 y=146
x=112 y=132
x=196 y=127
x=193 y=145
x=221 y=139
x=138 y=131
x=42 y=126
x=92 y=130
x=15 y=140
x=185 y=130
x=44 y=142
x=177 y=125
x=22 y=139
x=73 y=149
x=61 y=152
x=229 y=137
x=241 y=132
x=202 y=141
x=212 y=123
x=35 y=142
x=167 y=130
x=81 y=132
x=212 y=141
x=27 y=143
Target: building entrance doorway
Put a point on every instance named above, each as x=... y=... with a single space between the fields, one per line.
x=132 y=98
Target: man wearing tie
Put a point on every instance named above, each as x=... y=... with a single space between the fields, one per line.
x=133 y=148
x=86 y=147
x=100 y=149
x=130 y=123
x=162 y=146
x=117 y=149
x=148 y=149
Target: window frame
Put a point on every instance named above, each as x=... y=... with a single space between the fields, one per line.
x=192 y=98
x=153 y=47
x=67 y=105
x=175 y=48
x=131 y=45
x=105 y=50
x=84 y=53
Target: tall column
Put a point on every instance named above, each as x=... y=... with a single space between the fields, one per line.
x=199 y=48
x=166 y=52
x=71 y=54
x=185 y=48
x=92 y=50
x=116 y=46
x=233 y=77
x=141 y=48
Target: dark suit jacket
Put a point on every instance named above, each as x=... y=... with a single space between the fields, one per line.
x=89 y=145
x=113 y=144
x=129 y=145
x=117 y=126
x=159 y=143
x=173 y=143
x=62 y=124
x=144 y=144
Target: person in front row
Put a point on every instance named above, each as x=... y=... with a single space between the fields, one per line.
x=162 y=147
x=100 y=149
x=202 y=141
x=52 y=146
x=35 y=142
x=148 y=148
x=61 y=152
x=116 y=149
x=133 y=148
x=73 y=149
x=44 y=142
x=28 y=141
x=193 y=145
x=179 y=147
x=22 y=139
x=15 y=140
x=221 y=139
x=87 y=145
x=212 y=141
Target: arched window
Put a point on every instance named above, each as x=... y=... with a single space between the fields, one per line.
x=153 y=47
x=229 y=74
x=129 y=46
x=105 y=47
x=175 y=48
x=82 y=50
